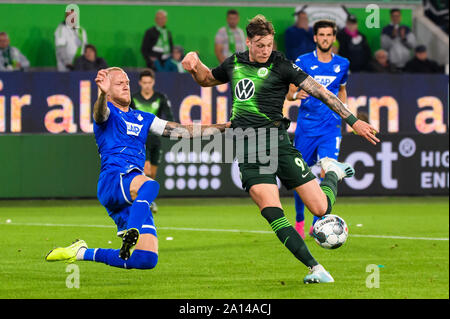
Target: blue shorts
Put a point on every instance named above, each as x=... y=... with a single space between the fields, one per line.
x=113 y=192
x=314 y=148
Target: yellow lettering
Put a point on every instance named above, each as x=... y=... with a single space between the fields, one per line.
x=16 y=111
x=204 y=101
x=436 y=115
x=85 y=107
x=66 y=114
x=353 y=105
x=222 y=104
x=375 y=104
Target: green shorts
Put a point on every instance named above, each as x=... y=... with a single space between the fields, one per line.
x=289 y=167
x=153 y=154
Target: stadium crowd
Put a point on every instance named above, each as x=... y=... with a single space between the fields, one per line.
x=399 y=49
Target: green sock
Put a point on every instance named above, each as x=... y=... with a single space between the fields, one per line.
x=288 y=235
x=329 y=187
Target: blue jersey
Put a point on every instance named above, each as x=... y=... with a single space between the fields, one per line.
x=314 y=117
x=121 y=138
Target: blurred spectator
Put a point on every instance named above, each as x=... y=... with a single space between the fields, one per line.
x=70 y=41
x=421 y=64
x=437 y=11
x=299 y=38
x=89 y=60
x=157 y=44
x=230 y=38
x=397 y=40
x=11 y=59
x=174 y=63
x=381 y=64
x=353 y=46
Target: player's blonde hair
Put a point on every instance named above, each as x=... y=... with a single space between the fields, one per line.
x=114 y=68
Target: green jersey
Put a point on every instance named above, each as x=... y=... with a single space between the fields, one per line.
x=258 y=89
x=157 y=104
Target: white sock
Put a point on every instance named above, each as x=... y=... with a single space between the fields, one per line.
x=80 y=253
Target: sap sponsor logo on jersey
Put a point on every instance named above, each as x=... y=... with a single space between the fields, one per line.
x=133 y=128
x=325 y=80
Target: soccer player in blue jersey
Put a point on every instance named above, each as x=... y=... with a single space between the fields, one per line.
x=318 y=133
x=123 y=188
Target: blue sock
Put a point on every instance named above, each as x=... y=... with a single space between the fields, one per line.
x=299 y=208
x=141 y=205
x=140 y=259
x=315 y=219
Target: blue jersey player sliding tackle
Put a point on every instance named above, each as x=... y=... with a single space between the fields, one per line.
x=123 y=189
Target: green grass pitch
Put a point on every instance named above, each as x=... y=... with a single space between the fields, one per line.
x=224 y=249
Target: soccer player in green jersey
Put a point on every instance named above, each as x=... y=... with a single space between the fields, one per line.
x=151 y=101
x=260 y=79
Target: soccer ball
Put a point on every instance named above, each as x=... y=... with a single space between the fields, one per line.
x=330 y=231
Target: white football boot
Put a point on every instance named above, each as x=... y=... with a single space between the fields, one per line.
x=317 y=275
x=342 y=170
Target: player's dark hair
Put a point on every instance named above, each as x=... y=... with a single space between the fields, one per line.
x=324 y=24
x=232 y=11
x=395 y=10
x=259 y=26
x=92 y=47
x=147 y=72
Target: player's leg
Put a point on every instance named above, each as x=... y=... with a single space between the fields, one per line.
x=307 y=146
x=145 y=256
x=328 y=146
x=147 y=168
x=267 y=199
x=143 y=191
x=320 y=198
x=118 y=198
x=154 y=154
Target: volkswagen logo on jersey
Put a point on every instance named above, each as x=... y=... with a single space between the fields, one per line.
x=133 y=129
x=244 y=89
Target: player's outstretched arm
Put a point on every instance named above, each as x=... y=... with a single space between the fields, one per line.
x=101 y=110
x=332 y=101
x=177 y=130
x=200 y=72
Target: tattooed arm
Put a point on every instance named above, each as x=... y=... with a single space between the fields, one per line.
x=177 y=130
x=332 y=101
x=320 y=92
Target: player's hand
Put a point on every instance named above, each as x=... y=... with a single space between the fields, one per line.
x=302 y=95
x=366 y=130
x=103 y=81
x=190 y=62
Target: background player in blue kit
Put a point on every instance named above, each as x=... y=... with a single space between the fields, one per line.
x=123 y=188
x=318 y=133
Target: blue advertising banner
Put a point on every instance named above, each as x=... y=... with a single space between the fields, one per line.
x=54 y=103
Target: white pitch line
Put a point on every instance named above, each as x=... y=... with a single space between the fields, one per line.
x=218 y=230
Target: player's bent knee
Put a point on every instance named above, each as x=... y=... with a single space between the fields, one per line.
x=149 y=189
x=322 y=209
x=143 y=259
